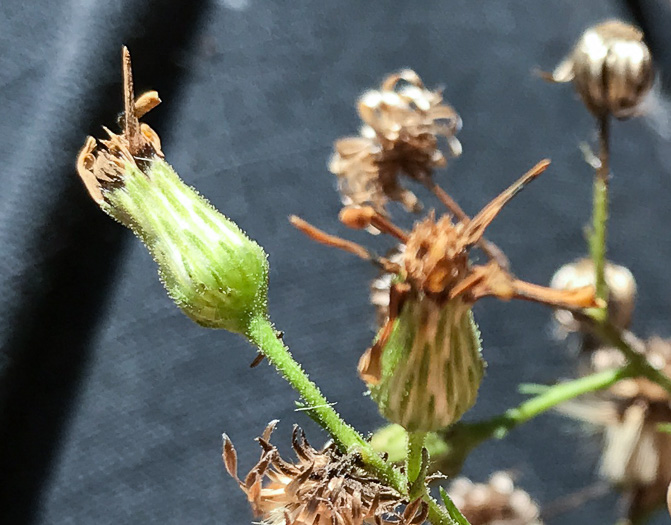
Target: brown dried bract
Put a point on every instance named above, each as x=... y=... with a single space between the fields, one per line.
x=101 y=164
x=402 y=124
x=436 y=254
x=321 y=487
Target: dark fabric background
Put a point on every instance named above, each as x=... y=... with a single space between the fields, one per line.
x=112 y=403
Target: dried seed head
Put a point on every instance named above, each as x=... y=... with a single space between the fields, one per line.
x=210 y=268
x=611 y=69
x=322 y=486
x=427 y=353
x=621 y=292
x=636 y=455
x=402 y=124
x=497 y=502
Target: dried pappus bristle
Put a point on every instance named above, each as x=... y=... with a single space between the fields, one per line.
x=321 y=487
x=611 y=69
x=402 y=123
x=497 y=502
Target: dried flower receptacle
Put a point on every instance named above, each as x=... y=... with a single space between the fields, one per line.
x=322 y=486
x=210 y=268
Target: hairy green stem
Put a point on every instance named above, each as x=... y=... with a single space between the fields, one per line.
x=632 y=348
x=597 y=241
x=464 y=437
x=262 y=334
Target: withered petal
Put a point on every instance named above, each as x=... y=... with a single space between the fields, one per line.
x=230 y=457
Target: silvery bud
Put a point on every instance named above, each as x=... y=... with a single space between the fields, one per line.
x=621 y=291
x=611 y=69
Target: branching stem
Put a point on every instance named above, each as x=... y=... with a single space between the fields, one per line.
x=262 y=334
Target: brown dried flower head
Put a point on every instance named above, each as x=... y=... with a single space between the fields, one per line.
x=402 y=124
x=323 y=487
x=611 y=69
x=636 y=455
x=621 y=292
x=497 y=502
x=435 y=264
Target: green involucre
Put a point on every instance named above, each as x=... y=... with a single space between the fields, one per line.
x=432 y=365
x=210 y=268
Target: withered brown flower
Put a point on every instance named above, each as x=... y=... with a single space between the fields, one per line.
x=402 y=124
x=636 y=455
x=435 y=264
x=322 y=487
x=496 y=502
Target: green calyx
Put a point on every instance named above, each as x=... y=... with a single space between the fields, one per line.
x=209 y=267
x=432 y=365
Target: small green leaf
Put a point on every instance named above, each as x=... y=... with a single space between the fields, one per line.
x=452 y=509
x=531 y=389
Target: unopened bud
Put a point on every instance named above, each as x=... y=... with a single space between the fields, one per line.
x=210 y=268
x=621 y=291
x=431 y=365
x=611 y=69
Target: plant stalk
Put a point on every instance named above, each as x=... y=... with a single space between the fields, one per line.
x=597 y=241
x=464 y=437
x=632 y=348
x=262 y=334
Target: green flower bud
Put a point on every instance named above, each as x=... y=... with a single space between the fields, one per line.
x=210 y=268
x=431 y=365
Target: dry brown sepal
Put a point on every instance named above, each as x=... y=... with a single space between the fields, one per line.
x=402 y=124
x=321 y=487
x=636 y=455
x=497 y=502
x=101 y=164
x=611 y=69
